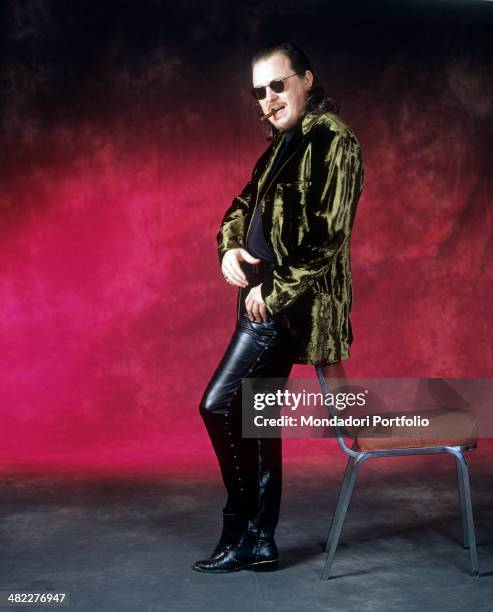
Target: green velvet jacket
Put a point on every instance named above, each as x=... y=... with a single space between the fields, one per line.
x=308 y=207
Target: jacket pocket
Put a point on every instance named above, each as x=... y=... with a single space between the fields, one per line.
x=293 y=189
x=290 y=213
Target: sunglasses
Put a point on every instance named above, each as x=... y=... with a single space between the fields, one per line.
x=277 y=86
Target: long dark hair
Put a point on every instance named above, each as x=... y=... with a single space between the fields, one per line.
x=317 y=101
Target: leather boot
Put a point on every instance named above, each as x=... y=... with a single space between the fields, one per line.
x=225 y=435
x=233 y=527
x=255 y=551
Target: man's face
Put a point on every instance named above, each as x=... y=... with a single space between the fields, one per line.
x=292 y=98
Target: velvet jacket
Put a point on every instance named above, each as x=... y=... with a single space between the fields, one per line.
x=308 y=205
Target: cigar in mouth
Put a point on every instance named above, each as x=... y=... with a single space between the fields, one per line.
x=274 y=110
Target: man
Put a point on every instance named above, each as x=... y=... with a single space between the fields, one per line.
x=284 y=242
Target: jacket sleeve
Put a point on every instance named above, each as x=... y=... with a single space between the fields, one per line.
x=324 y=216
x=231 y=234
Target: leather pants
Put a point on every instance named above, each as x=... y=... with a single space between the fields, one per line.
x=251 y=468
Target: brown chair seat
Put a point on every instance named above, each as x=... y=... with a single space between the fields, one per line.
x=448 y=427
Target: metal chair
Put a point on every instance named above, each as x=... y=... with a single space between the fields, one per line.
x=367 y=448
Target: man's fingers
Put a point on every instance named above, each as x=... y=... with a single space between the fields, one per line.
x=255 y=312
x=255 y=306
x=248 y=306
x=245 y=256
x=229 y=279
x=231 y=266
x=232 y=276
x=238 y=272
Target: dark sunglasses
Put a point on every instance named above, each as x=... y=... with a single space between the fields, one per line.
x=277 y=86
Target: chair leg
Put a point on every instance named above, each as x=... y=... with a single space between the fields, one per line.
x=347 y=473
x=340 y=515
x=462 y=500
x=463 y=475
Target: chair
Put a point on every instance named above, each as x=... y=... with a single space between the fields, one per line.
x=372 y=448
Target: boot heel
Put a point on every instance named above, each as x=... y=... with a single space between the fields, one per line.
x=265 y=566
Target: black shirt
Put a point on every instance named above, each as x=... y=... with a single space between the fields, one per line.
x=257 y=244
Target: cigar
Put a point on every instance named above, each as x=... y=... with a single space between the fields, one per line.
x=274 y=110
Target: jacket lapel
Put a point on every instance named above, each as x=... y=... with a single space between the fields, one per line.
x=265 y=176
x=269 y=177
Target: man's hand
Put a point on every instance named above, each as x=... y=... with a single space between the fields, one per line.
x=231 y=269
x=255 y=305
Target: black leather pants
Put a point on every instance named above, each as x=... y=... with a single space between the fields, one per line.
x=251 y=468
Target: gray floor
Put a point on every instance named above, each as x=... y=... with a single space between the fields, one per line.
x=126 y=543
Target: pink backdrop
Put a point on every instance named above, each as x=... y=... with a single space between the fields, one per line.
x=113 y=311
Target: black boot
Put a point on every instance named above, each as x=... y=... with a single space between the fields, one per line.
x=233 y=527
x=225 y=434
x=255 y=551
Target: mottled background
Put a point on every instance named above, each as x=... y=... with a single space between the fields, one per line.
x=127 y=128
